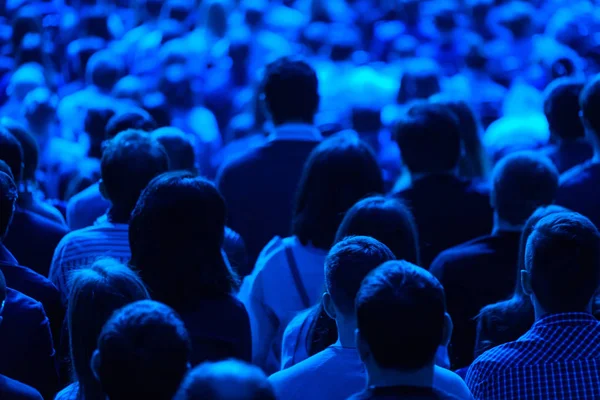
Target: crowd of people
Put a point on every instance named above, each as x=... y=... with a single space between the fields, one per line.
x=299 y=199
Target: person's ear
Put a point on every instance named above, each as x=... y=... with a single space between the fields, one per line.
x=526 y=282
x=361 y=346
x=102 y=188
x=328 y=306
x=95 y=365
x=448 y=329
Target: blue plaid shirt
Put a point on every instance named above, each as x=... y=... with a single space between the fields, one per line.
x=559 y=358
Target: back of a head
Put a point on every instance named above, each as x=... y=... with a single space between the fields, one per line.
x=339 y=172
x=8 y=199
x=97 y=292
x=175 y=234
x=561 y=106
x=291 y=91
x=421 y=80
x=28 y=144
x=179 y=148
x=563 y=260
x=143 y=352
x=104 y=69
x=387 y=220
x=415 y=300
x=129 y=162
x=96 y=121
x=589 y=101
x=131 y=119
x=11 y=153
x=347 y=265
x=40 y=107
x=226 y=380
x=522 y=182
x=429 y=139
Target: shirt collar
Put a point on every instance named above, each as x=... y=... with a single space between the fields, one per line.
x=295 y=131
x=566 y=319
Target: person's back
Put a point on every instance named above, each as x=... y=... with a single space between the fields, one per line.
x=578 y=185
x=143 y=353
x=558 y=355
x=259 y=186
x=448 y=210
x=482 y=271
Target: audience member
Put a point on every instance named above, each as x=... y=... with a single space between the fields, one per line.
x=86 y=207
x=97 y=292
x=399 y=357
x=384 y=219
x=559 y=352
x=129 y=162
x=448 y=210
x=508 y=320
x=143 y=353
x=561 y=107
x=482 y=271
x=176 y=234
x=288 y=276
x=578 y=185
x=225 y=380
x=259 y=186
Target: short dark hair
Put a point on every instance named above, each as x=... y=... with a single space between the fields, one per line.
x=415 y=300
x=339 y=172
x=291 y=91
x=589 y=102
x=143 y=351
x=132 y=119
x=522 y=182
x=129 y=162
x=347 y=265
x=8 y=199
x=11 y=153
x=104 y=69
x=386 y=219
x=96 y=121
x=561 y=106
x=429 y=138
x=563 y=258
x=226 y=380
x=29 y=146
x=179 y=147
x=176 y=234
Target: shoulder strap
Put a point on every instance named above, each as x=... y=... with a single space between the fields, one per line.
x=296 y=276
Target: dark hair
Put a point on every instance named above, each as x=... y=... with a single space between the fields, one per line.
x=176 y=234
x=589 y=102
x=179 y=148
x=420 y=81
x=27 y=20
x=96 y=121
x=96 y=292
x=339 y=172
x=414 y=301
x=563 y=258
x=561 y=106
x=131 y=119
x=348 y=263
x=11 y=153
x=104 y=69
x=29 y=146
x=8 y=199
x=226 y=380
x=522 y=182
x=429 y=138
x=143 y=352
x=291 y=91
x=129 y=162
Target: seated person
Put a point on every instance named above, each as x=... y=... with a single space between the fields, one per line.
x=143 y=353
x=400 y=357
x=225 y=380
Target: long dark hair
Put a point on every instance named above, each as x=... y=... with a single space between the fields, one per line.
x=176 y=234
x=389 y=221
x=339 y=172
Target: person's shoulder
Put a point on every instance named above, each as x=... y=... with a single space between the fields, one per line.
x=23 y=307
x=274 y=248
x=14 y=390
x=451 y=383
x=458 y=256
x=26 y=275
x=240 y=161
x=304 y=375
x=497 y=359
x=88 y=194
x=580 y=175
x=41 y=224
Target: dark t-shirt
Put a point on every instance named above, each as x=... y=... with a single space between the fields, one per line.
x=402 y=393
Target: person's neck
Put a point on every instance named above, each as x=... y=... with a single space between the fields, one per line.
x=379 y=377
x=346 y=333
x=291 y=122
x=540 y=312
x=118 y=215
x=501 y=225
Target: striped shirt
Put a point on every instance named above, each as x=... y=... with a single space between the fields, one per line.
x=559 y=358
x=83 y=247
